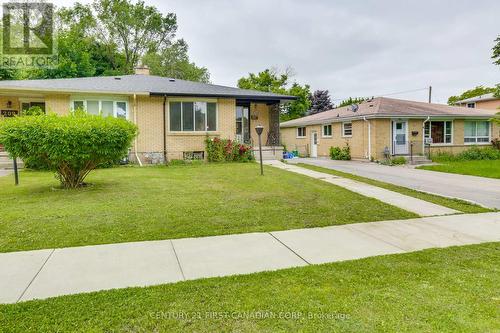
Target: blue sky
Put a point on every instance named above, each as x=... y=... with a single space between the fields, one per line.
x=351 y=48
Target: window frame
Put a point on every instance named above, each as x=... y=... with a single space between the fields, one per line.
x=304 y=135
x=476 y=143
x=471 y=107
x=428 y=132
x=194 y=131
x=343 y=129
x=100 y=100
x=323 y=135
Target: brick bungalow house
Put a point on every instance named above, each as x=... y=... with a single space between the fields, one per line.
x=486 y=101
x=385 y=125
x=174 y=116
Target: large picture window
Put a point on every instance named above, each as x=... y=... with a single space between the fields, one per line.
x=441 y=132
x=105 y=108
x=476 y=132
x=193 y=116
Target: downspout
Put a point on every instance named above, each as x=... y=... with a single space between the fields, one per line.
x=135 y=122
x=423 y=135
x=369 y=138
x=164 y=130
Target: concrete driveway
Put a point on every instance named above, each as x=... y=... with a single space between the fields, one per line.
x=484 y=191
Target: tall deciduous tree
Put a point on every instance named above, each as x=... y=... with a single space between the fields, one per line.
x=352 y=100
x=496 y=52
x=135 y=28
x=173 y=61
x=320 y=101
x=271 y=80
x=477 y=91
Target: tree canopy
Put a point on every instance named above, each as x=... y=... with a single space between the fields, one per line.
x=111 y=37
x=477 y=91
x=320 y=101
x=271 y=80
x=352 y=100
x=496 y=52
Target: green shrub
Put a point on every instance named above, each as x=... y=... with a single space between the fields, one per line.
x=472 y=154
x=342 y=154
x=72 y=145
x=33 y=111
x=225 y=150
x=398 y=160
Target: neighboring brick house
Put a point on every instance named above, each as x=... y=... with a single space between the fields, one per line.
x=486 y=101
x=385 y=125
x=174 y=116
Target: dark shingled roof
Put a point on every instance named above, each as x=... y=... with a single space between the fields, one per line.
x=139 y=84
x=382 y=107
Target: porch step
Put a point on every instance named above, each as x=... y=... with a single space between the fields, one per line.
x=417 y=160
x=269 y=153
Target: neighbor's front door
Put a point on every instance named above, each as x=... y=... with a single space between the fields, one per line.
x=314 y=144
x=399 y=137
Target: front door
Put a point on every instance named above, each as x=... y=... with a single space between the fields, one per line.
x=400 y=137
x=314 y=144
x=243 y=124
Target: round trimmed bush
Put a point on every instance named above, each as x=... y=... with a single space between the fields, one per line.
x=72 y=145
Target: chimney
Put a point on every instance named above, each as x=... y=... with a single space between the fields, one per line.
x=141 y=70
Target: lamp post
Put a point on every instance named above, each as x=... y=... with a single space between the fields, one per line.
x=16 y=172
x=259 y=129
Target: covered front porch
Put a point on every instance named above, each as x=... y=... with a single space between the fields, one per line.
x=250 y=114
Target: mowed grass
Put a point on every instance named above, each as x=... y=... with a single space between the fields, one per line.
x=134 y=204
x=439 y=290
x=457 y=204
x=482 y=168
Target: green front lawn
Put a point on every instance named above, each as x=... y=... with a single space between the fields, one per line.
x=439 y=290
x=482 y=168
x=457 y=204
x=133 y=204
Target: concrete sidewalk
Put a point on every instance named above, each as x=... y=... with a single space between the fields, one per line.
x=411 y=204
x=54 y=272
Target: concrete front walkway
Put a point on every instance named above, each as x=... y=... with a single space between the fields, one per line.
x=411 y=204
x=54 y=272
x=484 y=191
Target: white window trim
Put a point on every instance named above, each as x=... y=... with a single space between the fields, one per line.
x=167 y=106
x=429 y=123
x=343 y=129
x=297 y=132
x=100 y=100
x=476 y=137
x=323 y=131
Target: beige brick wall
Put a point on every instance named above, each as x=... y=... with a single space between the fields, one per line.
x=58 y=104
x=261 y=111
x=489 y=105
x=358 y=142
